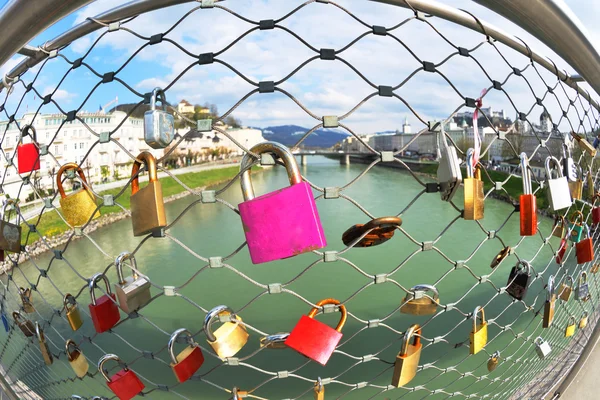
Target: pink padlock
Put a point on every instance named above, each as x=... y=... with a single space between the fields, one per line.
x=283 y=223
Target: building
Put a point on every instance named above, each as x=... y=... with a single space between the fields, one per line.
x=185 y=108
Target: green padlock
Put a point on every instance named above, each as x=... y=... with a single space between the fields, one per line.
x=576 y=227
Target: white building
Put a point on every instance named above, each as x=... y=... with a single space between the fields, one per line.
x=203 y=142
x=185 y=108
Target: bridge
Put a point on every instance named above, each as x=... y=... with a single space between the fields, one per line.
x=344 y=155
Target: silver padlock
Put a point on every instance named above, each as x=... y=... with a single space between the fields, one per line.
x=132 y=292
x=583 y=291
x=568 y=164
x=542 y=348
x=448 y=173
x=159 y=125
x=559 y=194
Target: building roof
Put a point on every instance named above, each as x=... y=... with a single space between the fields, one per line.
x=184 y=102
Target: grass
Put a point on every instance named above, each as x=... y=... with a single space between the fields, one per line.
x=50 y=224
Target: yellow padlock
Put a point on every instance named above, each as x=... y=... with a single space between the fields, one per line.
x=407 y=360
x=584 y=320
x=230 y=337
x=478 y=337
x=570 y=330
x=73 y=315
x=473 y=188
x=79 y=206
x=319 y=390
x=76 y=358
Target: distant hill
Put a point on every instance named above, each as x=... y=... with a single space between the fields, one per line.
x=126 y=108
x=290 y=134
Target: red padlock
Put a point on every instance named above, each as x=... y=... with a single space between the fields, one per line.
x=125 y=384
x=585 y=249
x=314 y=339
x=562 y=249
x=104 y=311
x=189 y=360
x=28 y=154
x=527 y=201
x=596 y=210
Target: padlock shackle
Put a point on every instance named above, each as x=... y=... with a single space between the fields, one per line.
x=319 y=385
x=212 y=316
x=68 y=344
x=25 y=132
x=13 y=203
x=173 y=339
x=549 y=170
x=470 y=167
x=475 y=313
x=525 y=174
x=273 y=339
x=342 y=308
x=95 y=278
x=582 y=278
x=576 y=214
x=585 y=314
x=17 y=316
x=570 y=278
x=413 y=330
x=539 y=341
x=278 y=149
x=147 y=159
x=39 y=332
x=66 y=301
x=525 y=264
x=550 y=288
x=571 y=321
x=121 y=258
x=495 y=354
x=561 y=219
x=62 y=170
x=423 y=287
x=104 y=359
x=441 y=137
x=158 y=94
x=382 y=222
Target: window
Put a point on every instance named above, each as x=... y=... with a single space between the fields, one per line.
x=81 y=145
x=75 y=146
x=56 y=150
x=47 y=135
x=65 y=147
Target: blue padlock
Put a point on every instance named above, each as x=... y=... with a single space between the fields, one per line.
x=4 y=321
x=576 y=227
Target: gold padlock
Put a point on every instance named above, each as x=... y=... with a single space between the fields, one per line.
x=570 y=330
x=500 y=257
x=549 y=304
x=319 y=390
x=576 y=189
x=73 y=315
x=24 y=324
x=474 y=197
x=418 y=302
x=566 y=290
x=230 y=337
x=147 y=204
x=407 y=360
x=79 y=206
x=10 y=234
x=493 y=361
x=26 y=300
x=276 y=341
x=590 y=186
x=559 y=229
x=43 y=345
x=76 y=358
x=478 y=336
x=595 y=268
x=584 y=320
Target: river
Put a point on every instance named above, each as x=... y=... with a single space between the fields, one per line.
x=213 y=230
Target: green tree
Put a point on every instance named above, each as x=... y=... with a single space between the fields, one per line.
x=104 y=172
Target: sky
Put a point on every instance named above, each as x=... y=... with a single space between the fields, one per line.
x=324 y=87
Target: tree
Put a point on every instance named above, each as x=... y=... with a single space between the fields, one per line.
x=233 y=122
x=105 y=172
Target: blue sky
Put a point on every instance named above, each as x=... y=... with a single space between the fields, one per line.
x=325 y=87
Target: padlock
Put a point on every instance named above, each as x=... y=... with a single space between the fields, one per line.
x=46 y=355
x=147 y=204
x=314 y=339
x=76 y=359
x=493 y=362
x=4 y=319
x=449 y=174
x=570 y=329
x=24 y=324
x=474 y=197
x=576 y=227
x=417 y=302
x=319 y=390
x=584 y=145
x=566 y=290
x=559 y=195
x=527 y=201
x=407 y=360
x=518 y=280
x=542 y=348
x=10 y=234
x=585 y=248
x=582 y=287
x=500 y=257
x=595 y=268
x=562 y=250
x=576 y=186
x=584 y=320
x=559 y=229
x=376 y=231
x=549 y=304
x=596 y=210
x=133 y=291
x=569 y=167
x=479 y=334
x=230 y=337
x=125 y=384
x=238 y=394
x=25 y=295
x=79 y=206
x=283 y=223
x=104 y=311
x=189 y=360
x=159 y=125
x=28 y=154
x=73 y=314
x=276 y=341
x=590 y=190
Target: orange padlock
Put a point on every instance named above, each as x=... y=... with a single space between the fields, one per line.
x=527 y=201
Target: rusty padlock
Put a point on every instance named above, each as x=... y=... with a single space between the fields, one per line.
x=314 y=339
x=500 y=257
x=527 y=201
x=283 y=223
x=493 y=362
x=376 y=231
x=585 y=248
x=79 y=206
x=407 y=360
x=46 y=355
x=125 y=384
x=104 y=311
x=186 y=363
x=147 y=204
x=25 y=325
x=230 y=337
x=10 y=234
x=417 y=302
x=73 y=314
x=76 y=359
x=28 y=154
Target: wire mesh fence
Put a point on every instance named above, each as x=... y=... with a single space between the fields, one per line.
x=434 y=245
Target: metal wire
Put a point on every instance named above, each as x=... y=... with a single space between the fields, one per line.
x=525 y=375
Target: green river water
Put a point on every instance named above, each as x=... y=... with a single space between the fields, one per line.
x=215 y=230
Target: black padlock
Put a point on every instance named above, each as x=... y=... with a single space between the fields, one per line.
x=518 y=280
